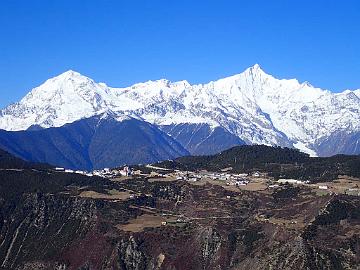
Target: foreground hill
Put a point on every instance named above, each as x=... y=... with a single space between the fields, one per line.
x=276 y=161
x=55 y=220
x=96 y=142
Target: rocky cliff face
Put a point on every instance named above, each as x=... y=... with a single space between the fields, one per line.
x=38 y=226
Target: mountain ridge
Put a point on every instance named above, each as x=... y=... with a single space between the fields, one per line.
x=93 y=143
x=252 y=105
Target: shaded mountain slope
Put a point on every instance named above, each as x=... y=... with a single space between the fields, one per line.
x=95 y=142
x=8 y=161
x=202 y=139
x=339 y=142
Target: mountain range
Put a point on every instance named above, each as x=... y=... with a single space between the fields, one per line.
x=252 y=107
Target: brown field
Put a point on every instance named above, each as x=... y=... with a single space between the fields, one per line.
x=113 y=195
x=144 y=221
x=221 y=183
x=256 y=184
x=162 y=179
x=342 y=184
x=120 y=178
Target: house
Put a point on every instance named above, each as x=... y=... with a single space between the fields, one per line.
x=290 y=181
x=323 y=187
x=59 y=169
x=241 y=183
x=154 y=174
x=137 y=172
x=126 y=171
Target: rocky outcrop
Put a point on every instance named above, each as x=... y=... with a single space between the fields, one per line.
x=211 y=242
x=44 y=224
x=130 y=255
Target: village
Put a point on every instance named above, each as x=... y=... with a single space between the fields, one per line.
x=256 y=181
x=234 y=184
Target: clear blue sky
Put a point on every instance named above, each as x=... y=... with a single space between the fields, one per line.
x=123 y=42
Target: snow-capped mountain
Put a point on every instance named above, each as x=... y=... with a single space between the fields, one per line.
x=252 y=106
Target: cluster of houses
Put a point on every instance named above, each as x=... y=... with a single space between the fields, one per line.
x=106 y=172
x=229 y=178
x=125 y=171
x=295 y=182
x=59 y=169
x=299 y=182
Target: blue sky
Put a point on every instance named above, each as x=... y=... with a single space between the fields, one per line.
x=124 y=42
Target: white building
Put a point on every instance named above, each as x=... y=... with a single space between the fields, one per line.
x=290 y=181
x=126 y=171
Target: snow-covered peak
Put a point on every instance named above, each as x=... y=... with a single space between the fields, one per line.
x=67 y=82
x=256 y=66
x=68 y=77
x=307 y=84
x=60 y=100
x=69 y=74
x=64 y=86
x=255 y=69
x=254 y=72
